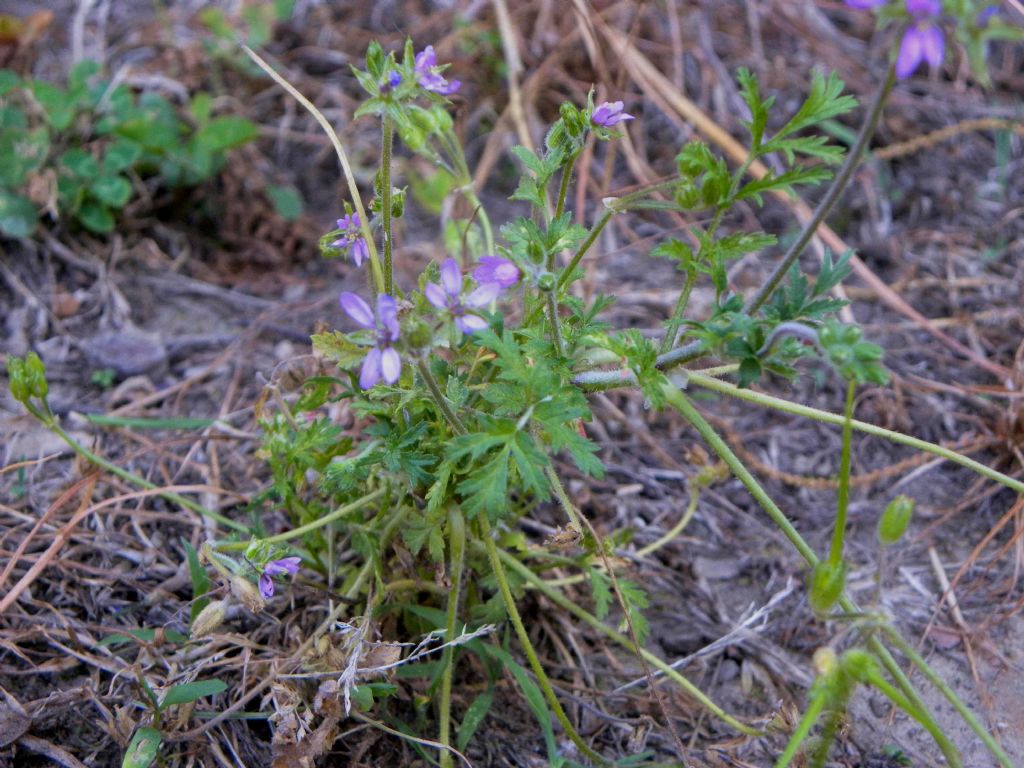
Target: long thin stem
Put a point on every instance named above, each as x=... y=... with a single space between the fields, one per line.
x=672 y=332
x=524 y=639
x=563 y=187
x=595 y=231
x=835 y=554
x=387 y=138
x=556 y=328
x=435 y=391
x=803 y=730
x=457 y=551
x=302 y=530
x=51 y=423
x=588 y=618
x=835 y=190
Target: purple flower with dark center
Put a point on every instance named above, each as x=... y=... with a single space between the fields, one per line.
x=289 y=565
x=429 y=75
x=609 y=113
x=494 y=269
x=448 y=296
x=352 y=238
x=923 y=40
x=381 y=362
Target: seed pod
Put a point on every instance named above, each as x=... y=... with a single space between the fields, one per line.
x=895 y=519
x=827 y=582
x=247 y=594
x=211 y=617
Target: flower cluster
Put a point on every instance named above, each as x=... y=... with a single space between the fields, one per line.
x=289 y=565
x=382 y=362
x=428 y=73
x=922 y=39
x=492 y=276
x=352 y=238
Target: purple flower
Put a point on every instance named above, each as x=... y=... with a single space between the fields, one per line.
x=494 y=269
x=610 y=113
x=381 y=362
x=392 y=81
x=289 y=565
x=352 y=238
x=923 y=40
x=865 y=4
x=429 y=76
x=448 y=296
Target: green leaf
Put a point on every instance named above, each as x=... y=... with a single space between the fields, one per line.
x=114 y=191
x=784 y=182
x=80 y=163
x=599 y=587
x=56 y=104
x=475 y=714
x=287 y=201
x=17 y=215
x=142 y=749
x=200 y=580
x=141 y=635
x=95 y=217
x=22 y=152
x=486 y=489
x=226 y=133
x=8 y=81
x=751 y=93
x=189 y=692
x=121 y=155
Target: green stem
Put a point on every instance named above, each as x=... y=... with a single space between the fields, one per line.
x=387 y=138
x=935 y=679
x=826 y=417
x=457 y=550
x=678 y=400
x=672 y=333
x=50 y=422
x=556 y=329
x=524 y=640
x=302 y=530
x=803 y=730
x=385 y=537
x=563 y=498
x=563 y=187
x=595 y=231
x=435 y=391
x=835 y=554
x=566 y=604
x=926 y=722
x=838 y=186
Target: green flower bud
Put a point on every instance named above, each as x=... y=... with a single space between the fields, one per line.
x=827 y=582
x=16 y=379
x=858 y=664
x=536 y=252
x=35 y=374
x=895 y=519
x=546 y=281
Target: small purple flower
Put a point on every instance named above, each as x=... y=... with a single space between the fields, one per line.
x=429 y=76
x=448 y=296
x=865 y=4
x=381 y=362
x=352 y=238
x=609 y=113
x=289 y=565
x=923 y=40
x=494 y=269
x=392 y=81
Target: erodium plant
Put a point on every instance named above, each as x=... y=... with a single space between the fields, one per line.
x=471 y=387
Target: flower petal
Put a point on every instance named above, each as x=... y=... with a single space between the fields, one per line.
x=933 y=45
x=495 y=269
x=370 y=373
x=266 y=586
x=359 y=251
x=451 y=277
x=470 y=323
x=924 y=8
x=289 y=565
x=435 y=295
x=357 y=309
x=483 y=295
x=387 y=314
x=426 y=59
x=910 y=53
x=390 y=365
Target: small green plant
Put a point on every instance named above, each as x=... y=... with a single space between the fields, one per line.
x=80 y=150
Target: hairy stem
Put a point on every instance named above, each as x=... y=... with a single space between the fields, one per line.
x=835 y=554
x=672 y=333
x=524 y=640
x=563 y=187
x=457 y=551
x=387 y=137
x=595 y=231
x=435 y=391
x=556 y=328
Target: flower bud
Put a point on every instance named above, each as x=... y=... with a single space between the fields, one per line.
x=35 y=374
x=827 y=582
x=16 y=379
x=247 y=593
x=211 y=617
x=895 y=519
x=858 y=664
x=825 y=661
x=546 y=281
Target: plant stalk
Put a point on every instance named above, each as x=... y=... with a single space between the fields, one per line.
x=835 y=554
x=387 y=138
x=457 y=551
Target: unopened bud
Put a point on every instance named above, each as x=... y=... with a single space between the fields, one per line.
x=247 y=594
x=827 y=583
x=895 y=519
x=211 y=617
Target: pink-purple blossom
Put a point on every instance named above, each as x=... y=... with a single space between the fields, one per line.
x=609 y=113
x=289 y=565
x=923 y=40
x=494 y=269
x=382 y=362
x=428 y=73
x=352 y=238
x=448 y=296
x=865 y=4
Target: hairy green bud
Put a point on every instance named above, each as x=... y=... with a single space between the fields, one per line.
x=895 y=519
